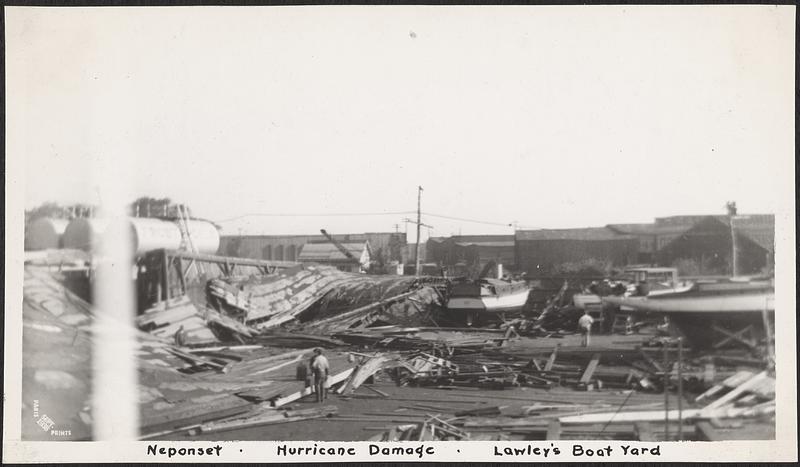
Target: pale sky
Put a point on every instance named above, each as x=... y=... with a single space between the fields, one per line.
x=548 y=116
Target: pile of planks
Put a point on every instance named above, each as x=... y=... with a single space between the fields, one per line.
x=313 y=292
x=432 y=428
x=263 y=415
x=183 y=322
x=314 y=300
x=439 y=341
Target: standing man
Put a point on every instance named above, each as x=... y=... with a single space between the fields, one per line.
x=320 y=367
x=585 y=326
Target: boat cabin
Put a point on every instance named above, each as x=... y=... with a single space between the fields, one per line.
x=666 y=276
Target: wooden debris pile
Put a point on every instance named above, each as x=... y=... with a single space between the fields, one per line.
x=565 y=414
x=319 y=293
x=179 y=387
x=438 y=341
x=317 y=300
x=183 y=322
x=431 y=429
x=260 y=416
x=56 y=368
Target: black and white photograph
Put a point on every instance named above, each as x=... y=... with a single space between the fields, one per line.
x=400 y=233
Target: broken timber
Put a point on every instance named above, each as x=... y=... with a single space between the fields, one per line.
x=587 y=374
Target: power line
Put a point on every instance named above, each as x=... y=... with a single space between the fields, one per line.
x=336 y=214
x=507 y=224
x=387 y=213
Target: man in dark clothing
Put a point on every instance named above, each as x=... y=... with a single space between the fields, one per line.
x=320 y=368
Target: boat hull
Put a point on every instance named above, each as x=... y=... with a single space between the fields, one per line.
x=708 y=304
x=489 y=303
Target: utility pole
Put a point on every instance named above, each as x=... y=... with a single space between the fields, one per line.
x=419 y=222
x=731 y=205
x=419 y=226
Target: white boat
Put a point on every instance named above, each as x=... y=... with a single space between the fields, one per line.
x=487 y=296
x=734 y=303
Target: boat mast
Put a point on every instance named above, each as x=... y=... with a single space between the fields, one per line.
x=419 y=224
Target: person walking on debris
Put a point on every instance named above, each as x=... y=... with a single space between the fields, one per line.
x=320 y=368
x=585 y=325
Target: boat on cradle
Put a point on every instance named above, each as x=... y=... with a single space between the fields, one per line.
x=713 y=314
x=487 y=299
x=726 y=297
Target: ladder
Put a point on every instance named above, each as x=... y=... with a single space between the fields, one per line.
x=186 y=237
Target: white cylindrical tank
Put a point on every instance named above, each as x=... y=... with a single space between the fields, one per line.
x=45 y=233
x=84 y=233
x=154 y=234
x=148 y=234
x=205 y=236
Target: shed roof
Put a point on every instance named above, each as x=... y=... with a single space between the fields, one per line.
x=584 y=234
x=508 y=244
x=650 y=229
x=758 y=227
x=640 y=229
x=329 y=252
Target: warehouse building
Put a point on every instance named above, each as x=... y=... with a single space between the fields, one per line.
x=471 y=252
x=593 y=250
x=702 y=245
x=329 y=254
x=385 y=246
x=705 y=247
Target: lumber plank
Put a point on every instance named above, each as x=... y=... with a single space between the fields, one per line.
x=752 y=382
x=587 y=374
x=730 y=382
x=198 y=361
x=377 y=391
x=552 y=359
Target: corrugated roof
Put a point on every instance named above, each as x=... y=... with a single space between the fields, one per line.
x=589 y=233
x=758 y=227
x=329 y=252
x=640 y=229
x=477 y=240
x=482 y=238
x=489 y=244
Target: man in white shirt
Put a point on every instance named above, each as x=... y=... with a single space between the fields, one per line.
x=320 y=367
x=585 y=326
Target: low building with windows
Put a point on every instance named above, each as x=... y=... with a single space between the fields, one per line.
x=329 y=254
x=471 y=252
x=385 y=247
